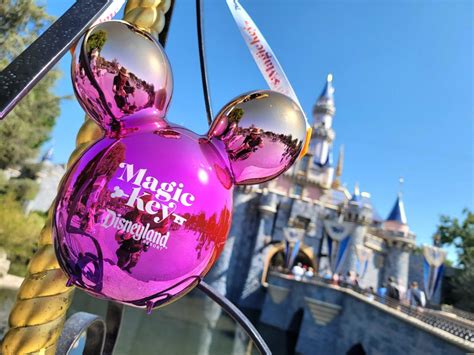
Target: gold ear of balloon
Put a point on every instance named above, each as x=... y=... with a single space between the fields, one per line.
x=44 y=260
x=164 y=6
x=147 y=14
x=34 y=311
x=160 y=5
x=76 y=154
x=89 y=131
x=46 y=234
x=51 y=209
x=35 y=339
x=143 y=17
x=131 y=4
x=158 y=25
x=34 y=286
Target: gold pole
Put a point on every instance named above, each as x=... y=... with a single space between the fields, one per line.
x=38 y=316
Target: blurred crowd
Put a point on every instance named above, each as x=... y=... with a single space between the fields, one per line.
x=390 y=291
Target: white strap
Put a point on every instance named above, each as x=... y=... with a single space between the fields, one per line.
x=261 y=52
x=110 y=12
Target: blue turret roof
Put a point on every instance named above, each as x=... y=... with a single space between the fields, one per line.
x=356 y=194
x=48 y=155
x=328 y=91
x=398 y=212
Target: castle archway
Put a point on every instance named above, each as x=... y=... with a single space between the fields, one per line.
x=276 y=258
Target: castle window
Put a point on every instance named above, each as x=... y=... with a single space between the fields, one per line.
x=301 y=222
x=298 y=190
x=303 y=165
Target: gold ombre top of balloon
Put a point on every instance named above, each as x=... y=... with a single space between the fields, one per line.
x=263 y=132
x=120 y=72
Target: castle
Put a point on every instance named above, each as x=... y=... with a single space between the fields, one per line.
x=307 y=216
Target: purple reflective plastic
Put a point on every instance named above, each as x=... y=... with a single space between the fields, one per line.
x=263 y=132
x=144 y=213
x=145 y=216
x=118 y=70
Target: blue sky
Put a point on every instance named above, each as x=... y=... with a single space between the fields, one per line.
x=403 y=78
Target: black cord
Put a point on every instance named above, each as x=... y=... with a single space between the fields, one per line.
x=202 y=61
x=237 y=315
x=163 y=36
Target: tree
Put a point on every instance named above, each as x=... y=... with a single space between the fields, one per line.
x=18 y=233
x=96 y=41
x=28 y=126
x=22 y=133
x=451 y=231
x=460 y=234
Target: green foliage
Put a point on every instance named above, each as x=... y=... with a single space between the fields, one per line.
x=463 y=287
x=448 y=263
x=28 y=126
x=23 y=189
x=460 y=234
x=18 y=233
x=30 y=170
x=20 y=23
x=23 y=132
x=96 y=41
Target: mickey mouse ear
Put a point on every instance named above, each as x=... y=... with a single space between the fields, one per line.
x=263 y=133
x=121 y=74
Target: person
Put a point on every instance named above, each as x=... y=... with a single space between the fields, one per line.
x=382 y=291
x=392 y=289
x=298 y=271
x=327 y=275
x=342 y=279
x=251 y=143
x=370 y=293
x=122 y=89
x=309 y=273
x=351 y=280
x=415 y=296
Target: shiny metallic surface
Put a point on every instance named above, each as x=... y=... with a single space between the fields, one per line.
x=82 y=324
x=141 y=219
x=263 y=133
x=145 y=211
x=119 y=71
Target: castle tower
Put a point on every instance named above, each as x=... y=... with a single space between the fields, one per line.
x=315 y=171
x=400 y=241
x=340 y=165
x=360 y=214
x=252 y=295
x=319 y=165
x=323 y=134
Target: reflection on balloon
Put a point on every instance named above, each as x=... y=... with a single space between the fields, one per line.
x=263 y=133
x=139 y=232
x=119 y=72
x=145 y=211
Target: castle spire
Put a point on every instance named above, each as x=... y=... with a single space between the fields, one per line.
x=48 y=155
x=325 y=102
x=323 y=135
x=340 y=166
x=398 y=211
x=356 y=194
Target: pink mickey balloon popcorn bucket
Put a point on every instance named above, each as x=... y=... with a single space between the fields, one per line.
x=144 y=213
